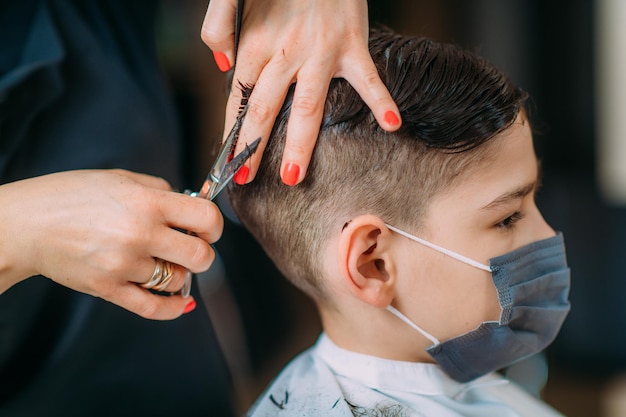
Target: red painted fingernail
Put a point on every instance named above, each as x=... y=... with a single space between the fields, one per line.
x=391 y=118
x=242 y=175
x=291 y=172
x=221 y=61
x=189 y=307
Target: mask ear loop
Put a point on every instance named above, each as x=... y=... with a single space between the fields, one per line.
x=405 y=319
x=438 y=248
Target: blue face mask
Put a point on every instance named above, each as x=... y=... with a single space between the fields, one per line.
x=533 y=286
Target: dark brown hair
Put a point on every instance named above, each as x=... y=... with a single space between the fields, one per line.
x=452 y=103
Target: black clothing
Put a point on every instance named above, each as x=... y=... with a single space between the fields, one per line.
x=80 y=88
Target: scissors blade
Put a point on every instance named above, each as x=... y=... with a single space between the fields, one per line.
x=223 y=160
x=231 y=169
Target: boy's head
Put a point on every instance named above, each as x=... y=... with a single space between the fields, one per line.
x=459 y=176
x=452 y=104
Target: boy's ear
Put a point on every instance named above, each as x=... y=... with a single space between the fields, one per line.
x=366 y=263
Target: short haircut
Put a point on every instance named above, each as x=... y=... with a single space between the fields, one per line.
x=452 y=102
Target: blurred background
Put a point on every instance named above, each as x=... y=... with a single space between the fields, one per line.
x=569 y=55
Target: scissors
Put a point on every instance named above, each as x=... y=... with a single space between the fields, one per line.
x=222 y=172
x=226 y=164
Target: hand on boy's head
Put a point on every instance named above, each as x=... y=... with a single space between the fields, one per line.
x=290 y=41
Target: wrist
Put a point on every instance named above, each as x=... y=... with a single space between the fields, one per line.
x=12 y=269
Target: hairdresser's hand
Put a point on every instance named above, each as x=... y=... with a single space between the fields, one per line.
x=98 y=232
x=283 y=41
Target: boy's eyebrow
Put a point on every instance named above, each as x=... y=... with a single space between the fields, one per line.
x=517 y=193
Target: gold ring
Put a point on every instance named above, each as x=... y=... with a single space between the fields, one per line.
x=161 y=276
x=166 y=276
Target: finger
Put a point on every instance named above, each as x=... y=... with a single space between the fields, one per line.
x=233 y=106
x=304 y=123
x=218 y=31
x=151 y=306
x=245 y=74
x=189 y=251
x=264 y=104
x=142 y=270
x=192 y=214
x=363 y=76
x=192 y=251
x=177 y=280
x=172 y=285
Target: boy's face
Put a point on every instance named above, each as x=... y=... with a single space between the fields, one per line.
x=488 y=214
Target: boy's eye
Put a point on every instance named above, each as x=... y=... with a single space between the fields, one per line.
x=510 y=221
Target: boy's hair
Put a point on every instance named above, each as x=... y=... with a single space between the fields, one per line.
x=452 y=102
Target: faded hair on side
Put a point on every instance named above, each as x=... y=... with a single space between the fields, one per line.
x=452 y=102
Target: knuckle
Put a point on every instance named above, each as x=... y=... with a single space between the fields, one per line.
x=371 y=79
x=296 y=150
x=106 y=289
x=118 y=171
x=149 y=308
x=202 y=257
x=116 y=263
x=355 y=35
x=211 y=36
x=161 y=183
x=306 y=105
x=129 y=241
x=216 y=221
x=259 y=111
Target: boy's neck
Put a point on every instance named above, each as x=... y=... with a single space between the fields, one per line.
x=373 y=331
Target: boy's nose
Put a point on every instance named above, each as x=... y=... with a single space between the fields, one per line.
x=541 y=229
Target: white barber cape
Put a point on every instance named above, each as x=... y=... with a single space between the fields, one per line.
x=330 y=381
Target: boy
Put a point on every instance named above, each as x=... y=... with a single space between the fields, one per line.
x=423 y=249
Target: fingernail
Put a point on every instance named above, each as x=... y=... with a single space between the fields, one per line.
x=391 y=118
x=242 y=175
x=189 y=307
x=221 y=61
x=291 y=172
